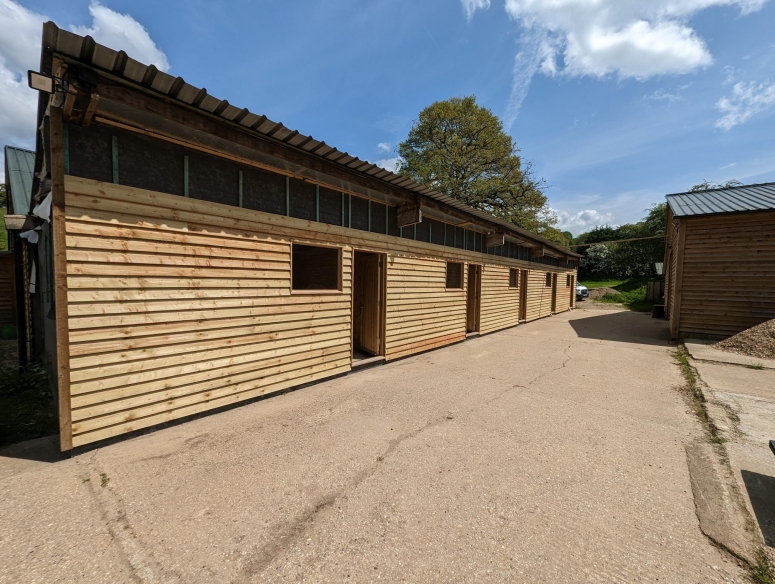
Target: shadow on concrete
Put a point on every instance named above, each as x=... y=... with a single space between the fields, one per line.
x=40 y=450
x=623 y=327
x=761 y=492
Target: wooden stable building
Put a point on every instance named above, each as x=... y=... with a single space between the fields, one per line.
x=719 y=265
x=202 y=255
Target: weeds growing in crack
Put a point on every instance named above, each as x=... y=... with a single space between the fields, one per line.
x=104 y=479
x=757 y=366
x=763 y=572
x=691 y=388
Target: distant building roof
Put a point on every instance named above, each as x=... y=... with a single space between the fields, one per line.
x=742 y=199
x=19 y=169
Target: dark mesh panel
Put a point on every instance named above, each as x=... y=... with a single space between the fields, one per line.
x=470 y=244
x=378 y=217
x=407 y=232
x=212 y=179
x=90 y=151
x=150 y=164
x=423 y=231
x=263 y=191
x=330 y=206
x=360 y=213
x=393 y=221
x=437 y=231
x=459 y=235
x=302 y=197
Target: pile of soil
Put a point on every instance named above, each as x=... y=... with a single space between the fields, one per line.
x=758 y=341
x=596 y=293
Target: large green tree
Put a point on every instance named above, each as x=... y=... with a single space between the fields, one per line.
x=459 y=148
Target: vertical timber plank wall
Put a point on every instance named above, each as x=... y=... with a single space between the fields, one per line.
x=728 y=281
x=500 y=304
x=422 y=313
x=539 y=295
x=563 y=293
x=178 y=306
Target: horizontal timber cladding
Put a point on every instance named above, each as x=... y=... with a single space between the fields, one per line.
x=177 y=306
x=728 y=276
x=539 y=295
x=500 y=303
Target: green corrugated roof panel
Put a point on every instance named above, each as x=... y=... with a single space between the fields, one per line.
x=19 y=169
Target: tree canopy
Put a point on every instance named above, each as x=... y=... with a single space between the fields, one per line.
x=706 y=186
x=625 y=259
x=459 y=148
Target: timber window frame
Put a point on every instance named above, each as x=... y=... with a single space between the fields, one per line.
x=548 y=279
x=455 y=274
x=296 y=283
x=513 y=278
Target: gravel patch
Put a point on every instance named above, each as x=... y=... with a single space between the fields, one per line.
x=758 y=341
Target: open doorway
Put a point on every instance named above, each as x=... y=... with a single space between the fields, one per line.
x=474 y=298
x=523 y=295
x=554 y=293
x=368 y=305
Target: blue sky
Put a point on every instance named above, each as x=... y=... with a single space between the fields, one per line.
x=615 y=102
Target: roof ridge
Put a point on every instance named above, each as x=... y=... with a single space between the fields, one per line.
x=9 y=147
x=766 y=184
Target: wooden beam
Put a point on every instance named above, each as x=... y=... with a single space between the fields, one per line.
x=21 y=222
x=495 y=239
x=409 y=214
x=60 y=278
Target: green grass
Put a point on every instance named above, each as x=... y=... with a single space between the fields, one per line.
x=3 y=232
x=630 y=293
x=26 y=405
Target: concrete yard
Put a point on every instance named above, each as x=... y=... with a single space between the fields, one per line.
x=550 y=452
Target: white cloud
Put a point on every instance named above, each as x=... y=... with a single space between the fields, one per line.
x=471 y=6
x=730 y=165
x=747 y=100
x=20 y=51
x=390 y=164
x=631 y=39
x=662 y=95
x=121 y=31
x=583 y=220
x=384 y=147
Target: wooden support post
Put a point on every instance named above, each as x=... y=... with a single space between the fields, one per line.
x=409 y=214
x=66 y=148
x=287 y=196
x=58 y=220
x=675 y=313
x=185 y=176
x=240 y=188
x=114 y=149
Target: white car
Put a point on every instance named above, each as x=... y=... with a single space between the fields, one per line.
x=581 y=292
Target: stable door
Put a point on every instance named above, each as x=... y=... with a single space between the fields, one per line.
x=367 y=303
x=473 y=307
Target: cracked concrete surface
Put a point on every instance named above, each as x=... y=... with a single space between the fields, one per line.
x=550 y=452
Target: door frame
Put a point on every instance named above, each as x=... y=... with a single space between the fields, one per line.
x=478 y=304
x=383 y=296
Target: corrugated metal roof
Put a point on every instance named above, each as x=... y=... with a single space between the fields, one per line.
x=19 y=168
x=740 y=199
x=86 y=50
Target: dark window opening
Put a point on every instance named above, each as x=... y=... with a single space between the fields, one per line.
x=512 y=278
x=302 y=200
x=360 y=213
x=378 y=217
x=330 y=206
x=454 y=275
x=548 y=279
x=315 y=268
